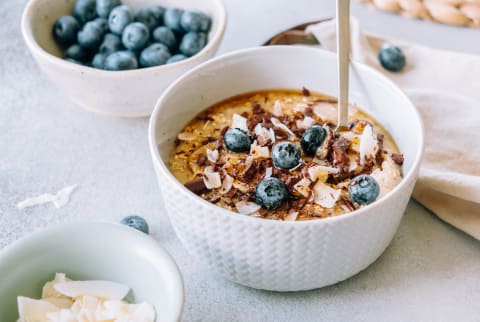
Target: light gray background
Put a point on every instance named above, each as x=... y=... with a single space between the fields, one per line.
x=431 y=271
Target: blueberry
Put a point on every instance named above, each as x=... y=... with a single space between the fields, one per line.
x=271 y=193
x=65 y=30
x=195 y=21
x=135 y=36
x=102 y=23
x=391 y=58
x=154 y=55
x=121 y=60
x=158 y=12
x=110 y=44
x=364 y=189
x=176 y=58
x=165 y=36
x=119 y=18
x=91 y=35
x=104 y=7
x=98 y=60
x=192 y=43
x=137 y=223
x=237 y=140
x=171 y=19
x=147 y=17
x=84 y=10
x=285 y=155
x=312 y=139
x=76 y=52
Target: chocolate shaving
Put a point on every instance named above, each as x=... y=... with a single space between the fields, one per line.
x=379 y=156
x=348 y=204
x=225 y=129
x=326 y=100
x=204 y=117
x=197 y=186
x=305 y=91
x=340 y=147
x=398 y=158
x=308 y=111
x=202 y=159
x=257 y=109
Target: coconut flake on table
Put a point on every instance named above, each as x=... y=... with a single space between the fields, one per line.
x=303 y=187
x=247 y=207
x=59 y=200
x=388 y=176
x=239 y=122
x=325 y=195
x=226 y=184
x=368 y=144
x=211 y=179
x=212 y=155
x=306 y=123
x=326 y=111
x=257 y=151
x=277 y=108
x=279 y=125
x=187 y=136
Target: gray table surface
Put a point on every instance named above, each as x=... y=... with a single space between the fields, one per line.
x=431 y=271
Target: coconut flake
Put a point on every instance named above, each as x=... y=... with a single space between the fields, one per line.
x=187 y=136
x=300 y=107
x=276 y=123
x=247 y=207
x=292 y=215
x=368 y=144
x=257 y=151
x=239 y=122
x=211 y=179
x=388 y=176
x=325 y=195
x=212 y=155
x=326 y=111
x=321 y=172
x=303 y=187
x=59 y=200
x=266 y=134
x=277 y=108
x=102 y=289
x=268 y=172
x=226 y=184
x=306 y=123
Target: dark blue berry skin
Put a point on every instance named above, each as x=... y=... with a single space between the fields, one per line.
x=192 y=43
x=271 y=193
x=137 y=223
x=147 y=17
x=154 y=55
x=165 y=36
x=176 y=58
x=104 y=7
x=121 y=60
x=135 y=36
x=76 y=52
x=364 y=189
x=98 y=60
x=119 y=18
x=171 y=19
x=65 y=30
x=84 y=10
x=158 y=12
x=312 y=139
x=195 y=21
x=91 y=35
x=285 y=155
x=237 y=140
x=391 y=58
x=110 y=44
x=102 y=23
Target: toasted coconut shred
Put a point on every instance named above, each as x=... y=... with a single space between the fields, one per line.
x=317 y=186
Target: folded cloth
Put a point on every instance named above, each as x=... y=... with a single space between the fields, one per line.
x=445 y=87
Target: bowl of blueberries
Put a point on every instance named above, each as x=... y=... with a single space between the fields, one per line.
x=115 y=57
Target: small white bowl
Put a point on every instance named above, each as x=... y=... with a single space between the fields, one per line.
x=131 y=93
x=86 y=251
x=277 y=255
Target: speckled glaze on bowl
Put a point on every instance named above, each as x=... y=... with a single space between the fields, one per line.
x=130 y=93
x=86 y=251
x=277 y=255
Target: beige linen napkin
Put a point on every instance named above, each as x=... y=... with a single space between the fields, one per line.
x=445 y=87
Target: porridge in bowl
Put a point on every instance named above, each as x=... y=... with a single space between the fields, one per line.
x=275 y=154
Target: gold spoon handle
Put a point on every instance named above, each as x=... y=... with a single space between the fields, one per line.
x=343 y=60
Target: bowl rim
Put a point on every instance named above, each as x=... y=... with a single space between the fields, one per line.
x=158 y=162
x=33 y=45
x=175 y=275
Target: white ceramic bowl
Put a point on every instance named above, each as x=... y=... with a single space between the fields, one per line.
x=130 y=93
x=277 y=255
x=86 y=251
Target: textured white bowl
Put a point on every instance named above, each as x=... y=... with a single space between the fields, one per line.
x=130 y=93
x=86 y=251
x=276 y=255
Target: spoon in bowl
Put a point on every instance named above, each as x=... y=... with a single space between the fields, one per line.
x=343 y=61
